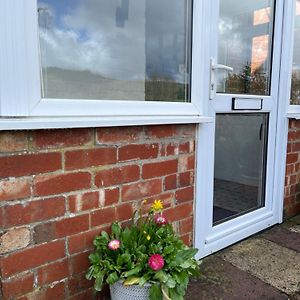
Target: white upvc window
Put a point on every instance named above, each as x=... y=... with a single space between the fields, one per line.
x=290 y=67
x=118 y=61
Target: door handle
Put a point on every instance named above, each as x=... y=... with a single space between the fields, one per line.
x=213 y=68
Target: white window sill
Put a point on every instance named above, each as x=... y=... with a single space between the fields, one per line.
x=293 y=115
x=77 y=122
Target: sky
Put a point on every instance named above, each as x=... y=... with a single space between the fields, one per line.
x=120 y=39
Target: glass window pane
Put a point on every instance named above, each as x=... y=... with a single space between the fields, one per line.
x=240 y=160
x=295 y=92
x=116 y=49
x=245 y=44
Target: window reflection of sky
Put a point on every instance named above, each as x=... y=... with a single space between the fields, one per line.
x=120 y=39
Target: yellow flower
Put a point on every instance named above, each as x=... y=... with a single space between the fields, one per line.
x=157 y=205
x=148 y=237
x=144 y=201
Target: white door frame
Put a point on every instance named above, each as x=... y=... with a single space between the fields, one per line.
x=210 y=239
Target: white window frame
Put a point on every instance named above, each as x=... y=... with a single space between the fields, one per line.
x=20 y=82
x=293 y=111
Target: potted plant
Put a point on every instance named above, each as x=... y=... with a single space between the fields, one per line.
x=145 y=260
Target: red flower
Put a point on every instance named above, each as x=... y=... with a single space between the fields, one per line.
x=160 y=220
x=156 y=262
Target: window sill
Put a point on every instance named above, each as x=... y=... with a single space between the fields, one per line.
x=293 y=115
x=79 y=122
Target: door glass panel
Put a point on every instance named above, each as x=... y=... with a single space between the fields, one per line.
x=245 y=43
x=116 y=49
x=240 y=159
x=295 y=92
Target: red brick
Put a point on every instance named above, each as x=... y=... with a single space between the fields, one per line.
x=186 y=226
x=185 y=179
x=141 y=190
x=82 y=202
x=17 y=286
x=170 y=182
x=12 y=141
x=28 y=164
x=117 y=135
x=53 y=272
x=32 y=257
x=56 y=292
x=111 y=196
x=103 y=216
x=62 y=228
x=83 y=241
x=188 y=130
x=117 y=176
x=185 y=194
x=124 y=212
x=186 y=163
x=87 y=294
x=184 y=147
x=79 y=263
x=179 y=212
x=172 y=149
x=158 y=169
x=133 y=152
x=61 y=183
x=80 y=159
x=61 y=138
x=186 y=238
x=72 y=226
x=292 y=158
x=51 y=292
x=78 y=283
x=14 y=189
x=34 y=211
x=161 y=131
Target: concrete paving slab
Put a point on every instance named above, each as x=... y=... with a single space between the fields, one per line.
x=295 y=228
x=284 y=237
x=222 y=280
x=272 y=263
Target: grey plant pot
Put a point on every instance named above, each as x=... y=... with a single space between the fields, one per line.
x=133 y=292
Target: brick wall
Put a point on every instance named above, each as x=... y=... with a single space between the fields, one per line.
x=292 y=179
x=59 y=188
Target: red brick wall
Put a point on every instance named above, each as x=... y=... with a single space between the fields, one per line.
x=292 y=179
x=59 y=188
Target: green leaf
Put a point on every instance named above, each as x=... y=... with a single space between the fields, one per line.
x=132 y=272
x=171 y=283
x=155 y=292
x=184 y=255
x=98 y=282
x=174 y=295
x=105 y=235
x=161 y=276
x=116 y=229
x=112 y=278
x=90 y=273
x=131 y=281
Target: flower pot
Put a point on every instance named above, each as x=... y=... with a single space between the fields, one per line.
x=120 y=292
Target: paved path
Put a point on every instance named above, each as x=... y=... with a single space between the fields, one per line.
x=265 y=266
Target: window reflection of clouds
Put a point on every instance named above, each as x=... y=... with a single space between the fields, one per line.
x=86 y=35
x=95 y=35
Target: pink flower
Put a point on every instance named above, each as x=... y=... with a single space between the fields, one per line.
x=114 y=245
x=160 y=220
x=156 y=262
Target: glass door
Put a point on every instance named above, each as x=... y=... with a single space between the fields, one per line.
x=243 y=97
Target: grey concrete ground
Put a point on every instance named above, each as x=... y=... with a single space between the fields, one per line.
x=265 y=266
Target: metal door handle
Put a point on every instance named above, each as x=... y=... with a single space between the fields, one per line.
x=213 y=68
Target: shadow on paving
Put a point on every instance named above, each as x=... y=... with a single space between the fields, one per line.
x=266 y=266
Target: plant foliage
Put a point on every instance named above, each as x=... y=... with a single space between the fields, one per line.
x=130 y=261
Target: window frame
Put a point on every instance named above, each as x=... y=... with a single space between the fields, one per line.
x=20 y=80
x=292 y=111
